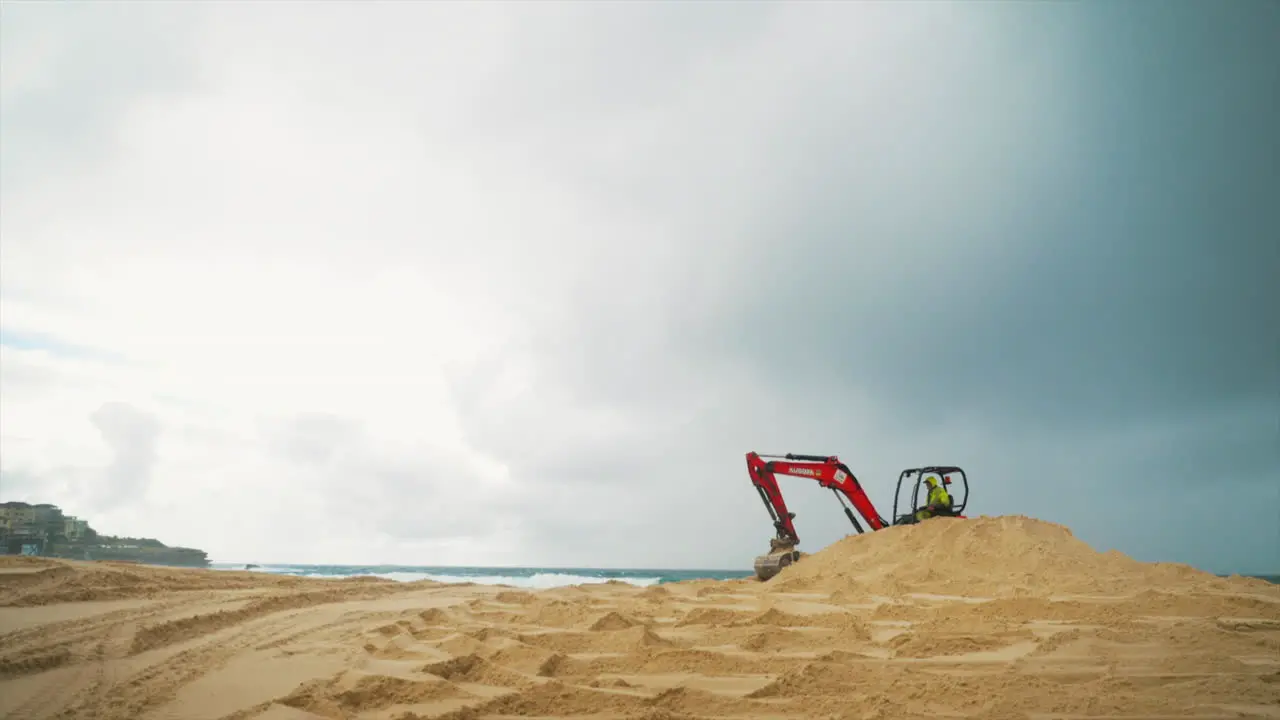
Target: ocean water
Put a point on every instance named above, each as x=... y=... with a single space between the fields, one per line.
x=522 y=577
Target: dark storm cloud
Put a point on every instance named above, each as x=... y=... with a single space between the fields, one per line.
x=1121 y=342
x=1120 y=266
x=1138 y=284
x=791 y=177
x=1136 y=296
x=937 y=231
x=1039 y=240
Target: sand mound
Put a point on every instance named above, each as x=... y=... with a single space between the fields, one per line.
x=920 y=645
x=475 y=669
x=812 y=678
x=776 y=617
x=355 y=692
x=845 y=657
x=517 y=656
x=1003 y=555
x=380 y=691
x=613 y=621
x=713 y=616
x=772 y=640
x=655 y=592
x=462 y=644
x=559 y=613
x=721 y=587
x=692 y=701
x=491 y=634
x=597 y=641
x=515 y=597
x=555 y=699
x=708 y=662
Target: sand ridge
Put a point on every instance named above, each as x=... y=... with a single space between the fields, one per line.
x=1005 y=617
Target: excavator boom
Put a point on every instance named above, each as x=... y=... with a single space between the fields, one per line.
x=829 y=472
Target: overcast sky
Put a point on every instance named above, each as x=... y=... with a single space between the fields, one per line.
x=431 y=283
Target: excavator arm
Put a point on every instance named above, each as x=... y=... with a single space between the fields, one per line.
x=828 y=471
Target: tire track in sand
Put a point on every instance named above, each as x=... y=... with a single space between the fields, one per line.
x=190 y=627
x=88 y=677
x=80 y=648
x=22 y=649
x=131 y=697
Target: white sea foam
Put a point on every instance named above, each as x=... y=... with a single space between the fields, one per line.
x=536 y=581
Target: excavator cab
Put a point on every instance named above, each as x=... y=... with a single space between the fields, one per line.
x=914 y=481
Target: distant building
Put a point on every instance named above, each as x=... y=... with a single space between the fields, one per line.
x=49 y=519
x=74 y=529
x=17 y=517
x=25 y=531
x=43 y=521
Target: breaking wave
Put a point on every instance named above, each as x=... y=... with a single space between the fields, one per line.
x=528 y=577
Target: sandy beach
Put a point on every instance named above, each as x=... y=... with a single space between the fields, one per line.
x=988 y=618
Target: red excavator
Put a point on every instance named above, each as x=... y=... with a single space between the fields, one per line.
x=831 y=473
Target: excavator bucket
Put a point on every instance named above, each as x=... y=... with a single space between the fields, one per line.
x=780 y=555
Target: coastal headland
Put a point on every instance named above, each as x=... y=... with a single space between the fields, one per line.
x=44 y=530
